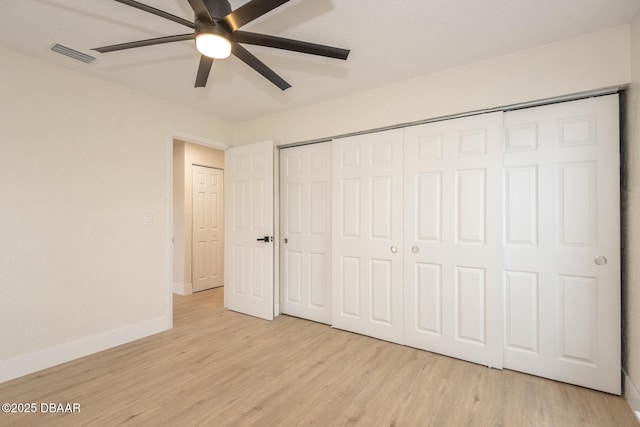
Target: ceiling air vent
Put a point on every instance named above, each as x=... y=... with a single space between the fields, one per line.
x=71 y=53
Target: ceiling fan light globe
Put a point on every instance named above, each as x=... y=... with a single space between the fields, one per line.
x=213 y=45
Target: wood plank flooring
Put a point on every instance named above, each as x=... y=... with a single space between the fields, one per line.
x=221 y=368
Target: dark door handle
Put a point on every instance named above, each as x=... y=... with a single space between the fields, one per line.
x=265 y=239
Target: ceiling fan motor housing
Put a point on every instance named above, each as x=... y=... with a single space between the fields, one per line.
x=218 y=8
x=206 y=28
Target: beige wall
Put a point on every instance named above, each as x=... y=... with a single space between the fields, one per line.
x=631 y=215
x=81 y=163
x=186 y=155
x=585 y=63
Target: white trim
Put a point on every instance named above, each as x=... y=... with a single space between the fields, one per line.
x=170 y=239
x=632 y=395
x=183 y=288
x=276 y=233
x=52 y=356
x=196 y=139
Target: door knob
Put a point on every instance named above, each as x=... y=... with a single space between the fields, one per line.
x=286 y=240
x=600 y=260
x=415 y=249
x=393 y=249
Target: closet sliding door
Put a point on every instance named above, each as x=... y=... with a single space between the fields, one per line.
x=367 y=245
x=562 y=242
x=305 y=215
x=452 y=235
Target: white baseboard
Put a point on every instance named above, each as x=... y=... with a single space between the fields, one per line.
x=183 y=288
x=52 y=356
x=632 y=395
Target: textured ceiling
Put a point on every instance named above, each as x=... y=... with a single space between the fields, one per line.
x=390 y=41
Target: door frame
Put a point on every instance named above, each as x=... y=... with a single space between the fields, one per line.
x=172 y=134
x=277 y=279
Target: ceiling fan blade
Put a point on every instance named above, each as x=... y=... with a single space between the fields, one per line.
x=250 y=11
x=247 y=57
x=289 y=44
x=148 y=42
x=158 y=12
x=201 y=11
x=203 y=71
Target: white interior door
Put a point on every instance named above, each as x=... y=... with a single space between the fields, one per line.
x=453 y=245
x=367 y=235
x=207 y=252
x=306 y=231
x=249 y=229
x=562 y=242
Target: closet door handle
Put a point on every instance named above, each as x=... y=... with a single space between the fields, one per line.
x=415 y=249
x=393 y=249
x=600 y=260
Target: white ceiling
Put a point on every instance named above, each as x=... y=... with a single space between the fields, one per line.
x=390 y=41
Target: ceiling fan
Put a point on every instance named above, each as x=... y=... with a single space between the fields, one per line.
x=217 y=35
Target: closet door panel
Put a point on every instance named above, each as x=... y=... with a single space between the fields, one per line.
x=367 y=236
x=452 y=235
x=562 y=242
x=306 y=229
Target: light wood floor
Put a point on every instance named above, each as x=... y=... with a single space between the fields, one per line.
x=221 y=368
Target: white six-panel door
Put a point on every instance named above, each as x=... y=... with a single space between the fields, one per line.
x=249 y=217
x=452 y=236
x=562 y=242
x=367 y=235
x=305 y=194
x=207 y=231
